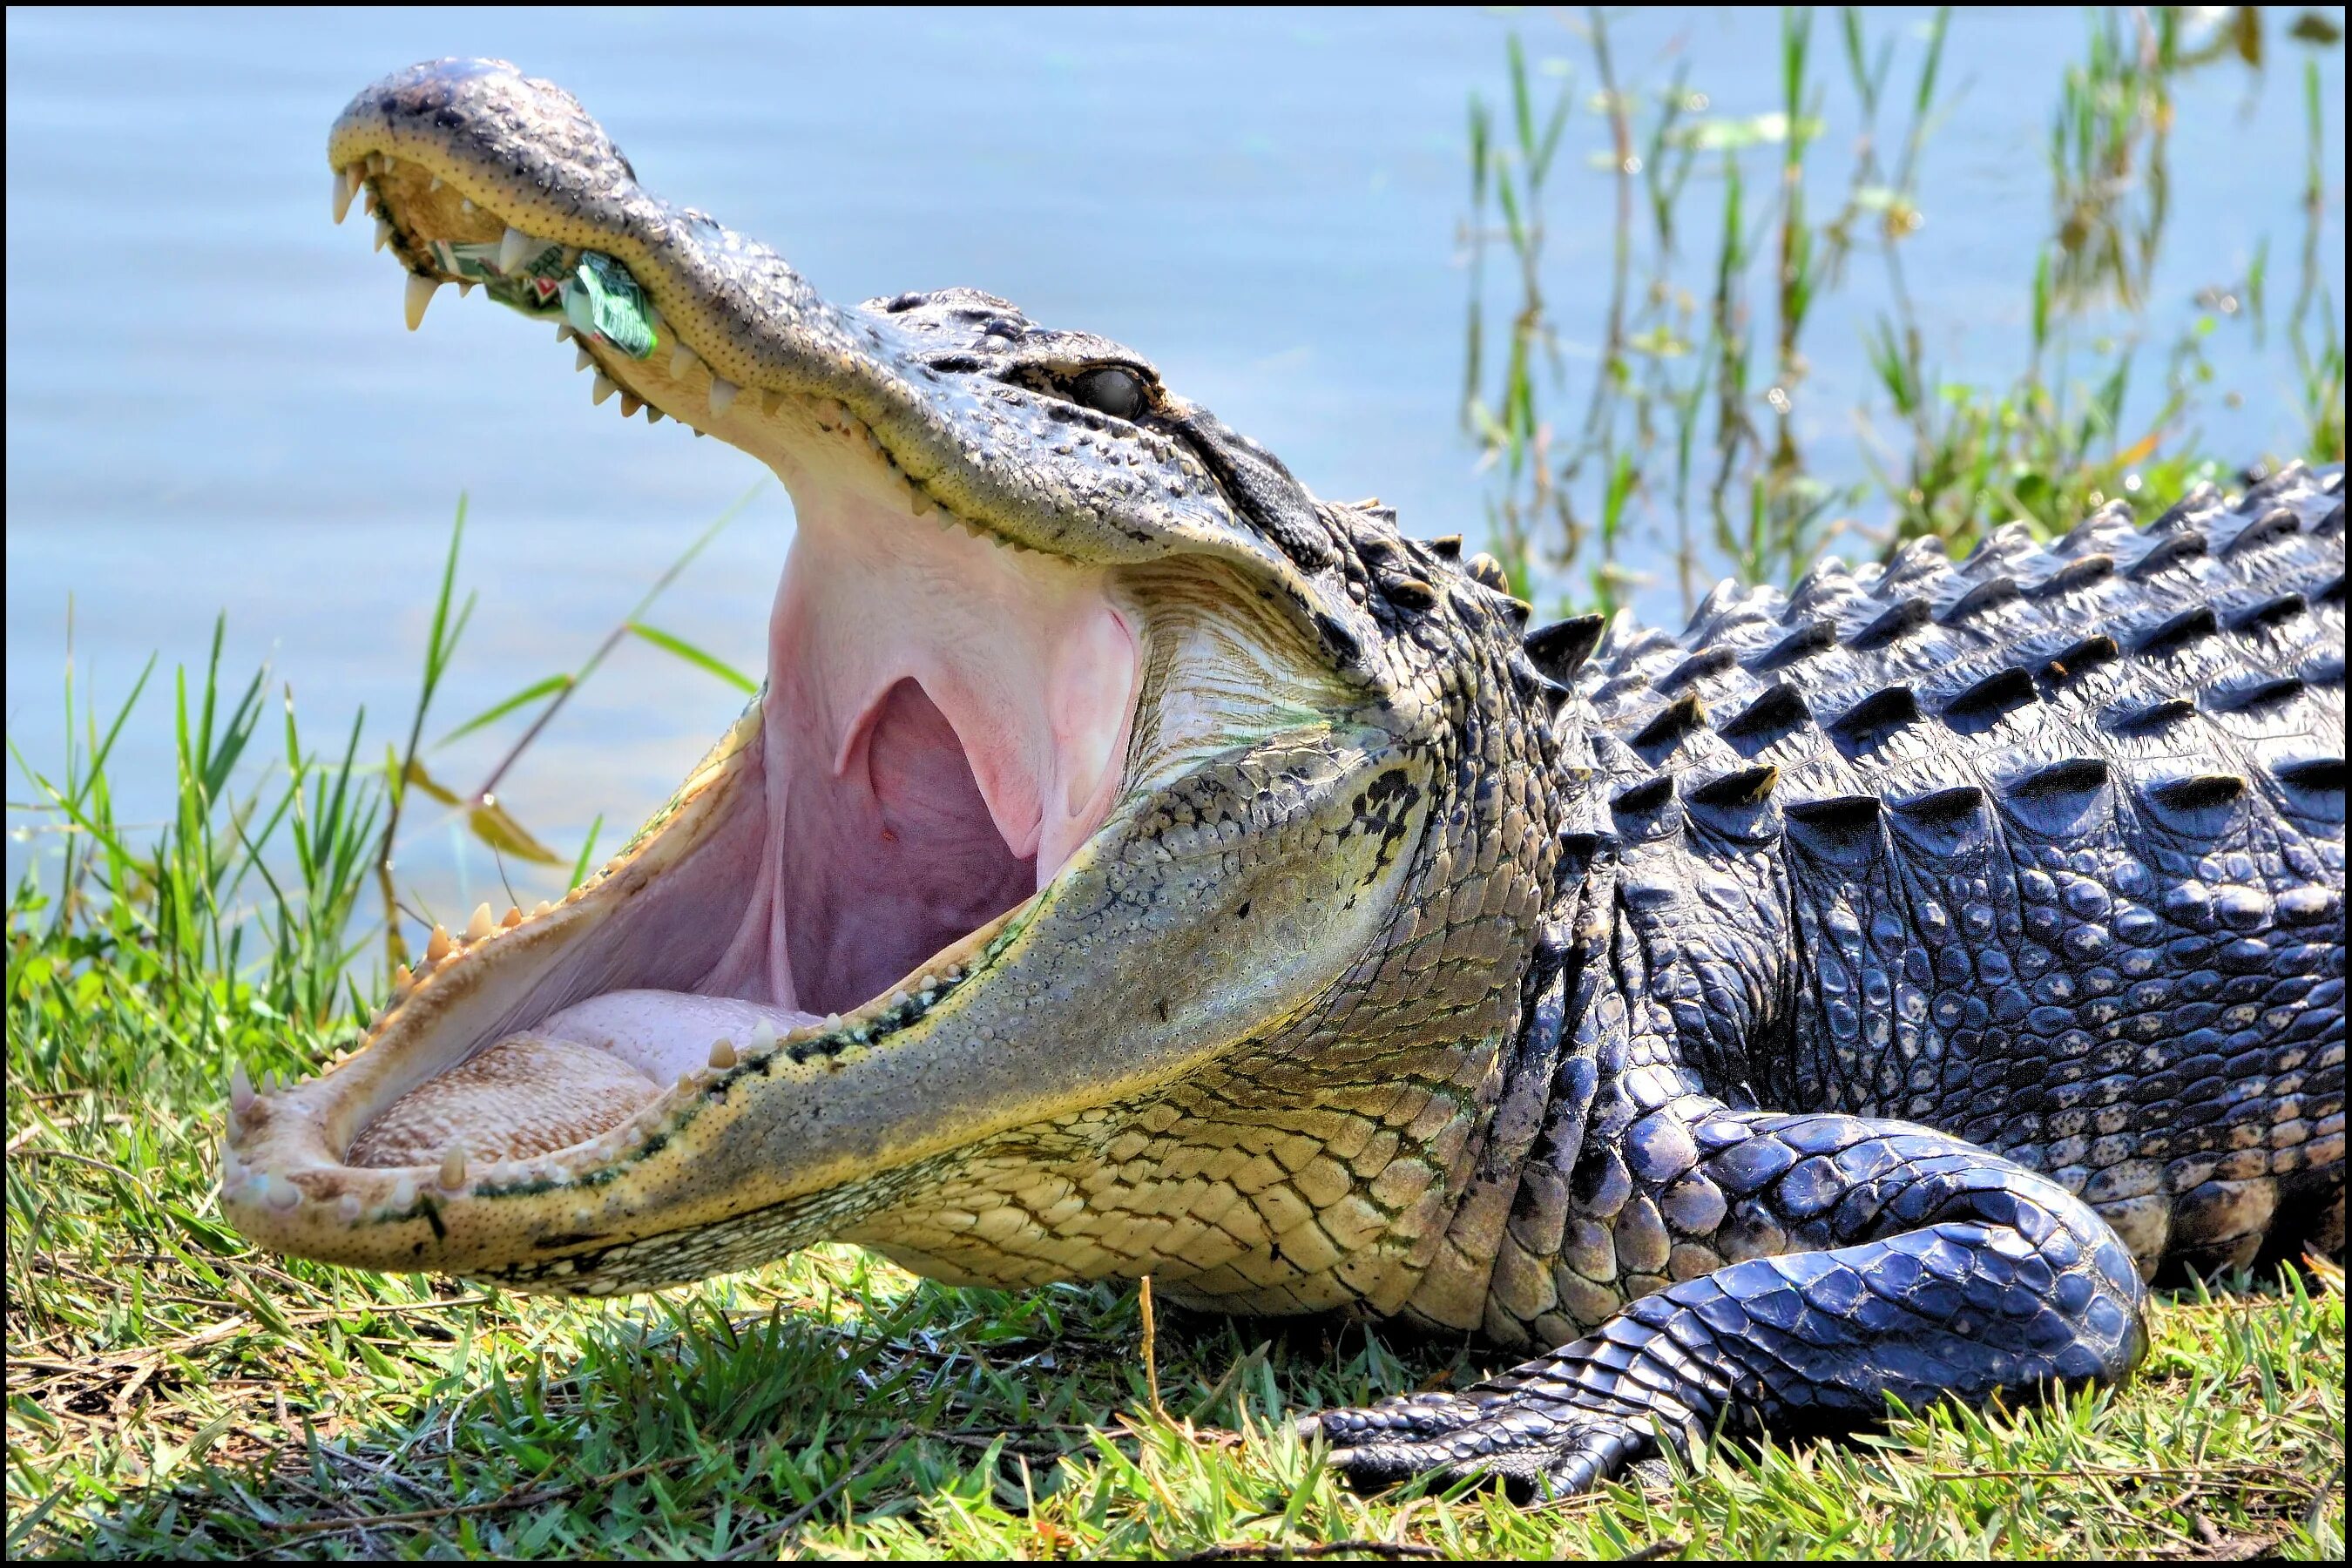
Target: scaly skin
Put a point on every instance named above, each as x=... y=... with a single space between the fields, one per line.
x=1647 y=943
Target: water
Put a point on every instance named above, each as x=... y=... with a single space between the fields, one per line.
x=212 y=404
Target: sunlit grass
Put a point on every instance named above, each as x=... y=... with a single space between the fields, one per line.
x=171 y=1391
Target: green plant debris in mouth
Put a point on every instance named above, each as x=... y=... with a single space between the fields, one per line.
x=591 y=291
x=602 y=300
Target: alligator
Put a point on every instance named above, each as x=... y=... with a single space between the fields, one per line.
x=1136 y=865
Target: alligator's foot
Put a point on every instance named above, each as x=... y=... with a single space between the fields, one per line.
x=1988 y=1282
x=1536 y=1439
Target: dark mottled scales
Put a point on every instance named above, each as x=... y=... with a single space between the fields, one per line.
x=2057 y=897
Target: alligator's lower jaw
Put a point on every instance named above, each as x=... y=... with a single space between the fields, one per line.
x=944 y=725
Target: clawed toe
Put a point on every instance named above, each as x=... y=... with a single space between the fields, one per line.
x=1452 y=1440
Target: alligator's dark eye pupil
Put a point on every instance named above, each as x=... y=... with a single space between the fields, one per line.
x=1117 y=392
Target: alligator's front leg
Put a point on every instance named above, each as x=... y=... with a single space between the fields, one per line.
x=1870 y=1258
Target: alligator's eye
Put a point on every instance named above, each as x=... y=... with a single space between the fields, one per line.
x=1110 y=390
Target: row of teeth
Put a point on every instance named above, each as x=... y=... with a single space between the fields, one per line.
x=282 y=1195
x=442 y=953
x=517 y=246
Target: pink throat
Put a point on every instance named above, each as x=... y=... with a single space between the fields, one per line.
x=945 y=723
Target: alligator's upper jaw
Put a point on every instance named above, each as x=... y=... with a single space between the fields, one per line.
x=479 y=175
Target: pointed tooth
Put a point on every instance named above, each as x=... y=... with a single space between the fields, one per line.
x=421 y=290
x=347 y=1208
x=565 y=331
x=438 y=946
x=402 y=978
x=722 y=1055
x=240 y=1090
x=604 y=388
x=921 y=499
x=482 y=924
x=433 y=185
x=466 y=204
x=515 y=249
x=513 y=918
x=722 y=395
x=581 y=358
x=347 y=186
x=833 y=1020
x=282 y=1195
x=544 y=908
x=653 y=415
x=630 y=404
x=453 y=1168
x=465 y=288
x=681 y=359
x=383 y=233
x=377 y=163
x=763 y=1034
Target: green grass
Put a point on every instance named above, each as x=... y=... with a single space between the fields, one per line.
x=171 y=1391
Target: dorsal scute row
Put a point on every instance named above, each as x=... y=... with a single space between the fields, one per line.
x=2181 y=672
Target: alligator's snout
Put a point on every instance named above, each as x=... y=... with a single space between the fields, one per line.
x=479 y=174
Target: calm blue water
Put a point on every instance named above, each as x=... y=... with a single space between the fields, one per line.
x=212 y=404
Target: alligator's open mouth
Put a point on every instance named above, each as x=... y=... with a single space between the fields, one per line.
x=945 y=722
x=971 y=861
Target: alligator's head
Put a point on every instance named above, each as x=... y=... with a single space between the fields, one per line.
x=1114 y=845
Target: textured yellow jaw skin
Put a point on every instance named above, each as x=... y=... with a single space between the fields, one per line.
x=796 y=1142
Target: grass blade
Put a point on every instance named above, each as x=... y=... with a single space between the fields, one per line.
x=708 y=663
